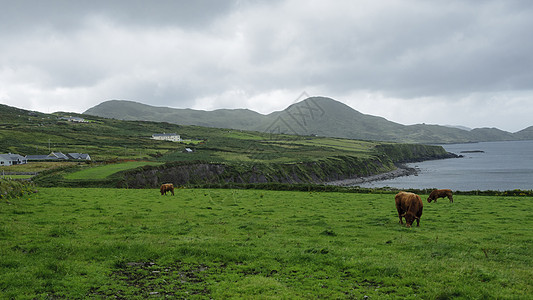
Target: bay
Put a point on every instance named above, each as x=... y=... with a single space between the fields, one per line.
x=497 y=166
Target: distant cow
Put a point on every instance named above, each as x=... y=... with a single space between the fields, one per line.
x=440 y=194
x=167 y=187
x=409 y=205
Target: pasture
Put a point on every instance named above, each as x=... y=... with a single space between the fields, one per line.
x=210 y=243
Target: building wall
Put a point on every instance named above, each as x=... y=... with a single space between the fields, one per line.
x=173 y=138
x=5 y=162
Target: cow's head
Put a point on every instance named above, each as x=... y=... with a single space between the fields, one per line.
x=429 y=199
x=410 y=218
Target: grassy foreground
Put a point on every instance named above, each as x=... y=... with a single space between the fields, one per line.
x=98 y=243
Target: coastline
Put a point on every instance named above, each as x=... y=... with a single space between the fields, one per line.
x=401 y=170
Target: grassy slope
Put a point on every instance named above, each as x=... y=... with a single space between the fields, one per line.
x=247 y=243
x=103 y=139
x=103 y=171
x=106 y=139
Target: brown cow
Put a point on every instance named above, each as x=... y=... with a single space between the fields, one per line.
x=440 y=194
x=409 y=205
x=167 y=187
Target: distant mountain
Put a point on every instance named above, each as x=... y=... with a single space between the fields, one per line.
x=319 y=116
x=459 y=127
x=326 y=117
x=130 y=110
x=525 y=134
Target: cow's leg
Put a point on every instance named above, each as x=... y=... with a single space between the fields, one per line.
x=451 y=198
x=400 y=212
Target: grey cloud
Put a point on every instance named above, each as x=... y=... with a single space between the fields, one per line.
x=68 y=15
x=428 y=52
x=179 y=53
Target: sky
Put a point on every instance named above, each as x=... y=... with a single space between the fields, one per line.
x=447 y=62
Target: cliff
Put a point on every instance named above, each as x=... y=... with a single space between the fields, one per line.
x=316 y=172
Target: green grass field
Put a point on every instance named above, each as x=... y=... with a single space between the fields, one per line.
x=103 y=171
x=201 y=243
x=39 y=166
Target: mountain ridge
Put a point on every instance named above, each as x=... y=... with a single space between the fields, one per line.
x=320 y=116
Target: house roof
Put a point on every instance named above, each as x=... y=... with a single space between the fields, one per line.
x=12 y=157
x=78 y=155
x=73 y=119
x=165 y=134
x=58 y=155
x=39 y=157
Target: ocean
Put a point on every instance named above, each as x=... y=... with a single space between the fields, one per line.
x=497 y=166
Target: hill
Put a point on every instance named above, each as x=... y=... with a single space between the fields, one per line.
x=320 y=116
x=134 y=111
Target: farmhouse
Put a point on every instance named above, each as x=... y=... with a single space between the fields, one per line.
x=12 y=159
x=167 y=137
x=74 y=119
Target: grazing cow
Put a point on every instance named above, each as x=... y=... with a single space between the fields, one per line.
x=440 y=194
x=167 y=187
x=409 y=205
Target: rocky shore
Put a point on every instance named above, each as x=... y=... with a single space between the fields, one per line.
x=402 y=170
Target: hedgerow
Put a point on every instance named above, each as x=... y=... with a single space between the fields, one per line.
x=15 y=188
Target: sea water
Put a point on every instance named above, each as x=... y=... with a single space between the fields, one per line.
x=498 y=166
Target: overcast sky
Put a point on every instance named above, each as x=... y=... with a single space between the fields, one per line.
x=436 y=62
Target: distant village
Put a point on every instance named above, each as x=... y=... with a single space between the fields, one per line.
x=10 y=159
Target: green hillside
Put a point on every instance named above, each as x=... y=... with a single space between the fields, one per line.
x=27 y=133
x=244 y=156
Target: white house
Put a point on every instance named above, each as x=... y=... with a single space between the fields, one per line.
x=12 y=159
x=74 y=119
x=173 y=137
